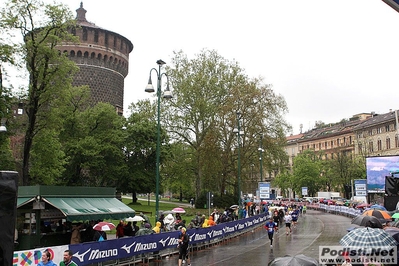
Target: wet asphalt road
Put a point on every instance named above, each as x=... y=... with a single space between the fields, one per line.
x=313 y=230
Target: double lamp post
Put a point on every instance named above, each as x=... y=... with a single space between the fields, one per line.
x=167 y=94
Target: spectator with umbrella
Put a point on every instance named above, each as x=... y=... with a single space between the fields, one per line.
x=100 y=228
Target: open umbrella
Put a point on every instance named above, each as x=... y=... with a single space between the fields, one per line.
x=104 y=226
x=178 y=210
x=135 y=219
x=233 y=207
x=367 y=237
x=297 y=260
x=362 y=205
x=377 y=213
x=369 y=221
x=393 y=231
x=395 y=215
x=378 y=207
x=167 y=212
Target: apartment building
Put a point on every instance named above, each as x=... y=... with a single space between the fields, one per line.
x=378 y=135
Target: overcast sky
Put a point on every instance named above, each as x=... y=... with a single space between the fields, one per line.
x=329 y=59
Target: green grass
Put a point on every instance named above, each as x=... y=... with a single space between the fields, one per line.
x=148 y=208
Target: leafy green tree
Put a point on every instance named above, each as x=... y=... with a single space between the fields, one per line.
x=177 y=171
x=307 y=172
x=211 y=94
x=92 y=141
x=42 y=27
x=140 y=149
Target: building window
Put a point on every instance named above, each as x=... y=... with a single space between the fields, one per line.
x=388 y=143
x=84 y=34
x=396 y=142
x=332 y=144
x=96 y=36
x=360 y=147
x=379 y=130
x=370 y=132
x=371 y=149
x=386 y=128
x=319 y=146
x=106 y=39
x=379 y=145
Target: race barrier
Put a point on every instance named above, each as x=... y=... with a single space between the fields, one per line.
x=341 y=210
x=123 y=250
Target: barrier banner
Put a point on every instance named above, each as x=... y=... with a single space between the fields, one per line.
x=95 y=252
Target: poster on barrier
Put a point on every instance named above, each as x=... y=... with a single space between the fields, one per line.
x=34 y=256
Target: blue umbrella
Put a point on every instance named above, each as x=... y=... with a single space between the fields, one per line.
x=378 y=207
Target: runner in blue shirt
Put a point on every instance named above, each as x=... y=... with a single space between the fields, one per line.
x=294 y=216
x=271 y=226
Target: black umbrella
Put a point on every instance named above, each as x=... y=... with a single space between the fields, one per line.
x=393 y=231
x=297 y=260
x=368 y=221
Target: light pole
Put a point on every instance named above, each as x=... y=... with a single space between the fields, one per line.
x=261 y=150
x=239 y=133
x=167 y=95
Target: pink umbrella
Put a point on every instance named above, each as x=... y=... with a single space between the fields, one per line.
x=104 y=226
x=178 y=210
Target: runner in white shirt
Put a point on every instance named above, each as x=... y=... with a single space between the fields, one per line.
x=287 y=220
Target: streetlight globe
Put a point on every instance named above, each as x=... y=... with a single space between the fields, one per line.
x=167 y=94
x=3 y=128
x=149 y=88
x=235 y=130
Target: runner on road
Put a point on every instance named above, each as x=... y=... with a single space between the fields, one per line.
x=287 y=220
x=271 y=227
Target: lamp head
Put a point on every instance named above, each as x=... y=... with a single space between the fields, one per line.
x=160 y=62
x=3 y=120
x=167 y=93
x=149 y=88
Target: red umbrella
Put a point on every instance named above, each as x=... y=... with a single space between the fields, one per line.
x=178 y=210
x=104 y=226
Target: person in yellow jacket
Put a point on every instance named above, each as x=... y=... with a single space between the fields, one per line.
x=205 y=224
x=157 y=228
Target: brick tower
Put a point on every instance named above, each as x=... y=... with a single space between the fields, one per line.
x=103 y=59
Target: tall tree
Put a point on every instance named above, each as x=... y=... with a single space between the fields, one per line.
x=307 y=172
x=93 y=140
x=42 y=28
x=211 y=93
x=140 y=149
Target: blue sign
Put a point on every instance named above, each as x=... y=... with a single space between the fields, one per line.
x=360 y=187
x=304 y=191
x=264 y=190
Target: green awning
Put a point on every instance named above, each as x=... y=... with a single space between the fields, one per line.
x=83 y=209
x=23 y=201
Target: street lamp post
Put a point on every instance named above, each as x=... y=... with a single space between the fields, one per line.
x=167 y=95
x=239 y=133
x=261 y=150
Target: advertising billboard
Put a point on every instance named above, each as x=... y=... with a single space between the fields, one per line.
x=377 y=168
